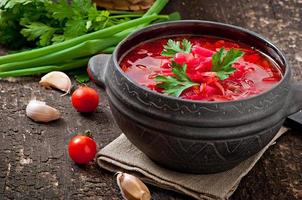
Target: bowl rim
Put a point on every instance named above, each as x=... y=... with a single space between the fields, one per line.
x=286 y=73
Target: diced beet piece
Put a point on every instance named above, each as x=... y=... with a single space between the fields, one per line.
x=240 y=71
x=205 y=65
x=180 y=58
x=193 y=62
x=193 y=94
x=195 y=76
x=220 y=87
x=211 y=90
x=189 y=57
x=236 y=74
x=208 y=90
x=200 y=51
x=209 y=77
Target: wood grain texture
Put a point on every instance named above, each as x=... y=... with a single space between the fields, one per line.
x=135 y=5
x=33 y=159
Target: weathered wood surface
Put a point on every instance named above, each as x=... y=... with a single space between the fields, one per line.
x=34 y=163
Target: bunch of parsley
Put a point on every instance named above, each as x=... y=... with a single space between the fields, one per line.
x=30 y=23
x=67 y=34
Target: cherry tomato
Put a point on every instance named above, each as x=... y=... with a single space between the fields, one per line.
x=85 y=99
x=82 y=149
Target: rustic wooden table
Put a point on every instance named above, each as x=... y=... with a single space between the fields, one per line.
x=34 y=163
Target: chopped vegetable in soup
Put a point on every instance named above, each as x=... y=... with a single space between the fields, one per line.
x=201 y=68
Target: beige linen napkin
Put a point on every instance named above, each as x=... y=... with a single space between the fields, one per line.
x=121 y=155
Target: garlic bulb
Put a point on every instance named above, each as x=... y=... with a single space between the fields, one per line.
x=132 y=188
x=56 y=79
x=40 y=112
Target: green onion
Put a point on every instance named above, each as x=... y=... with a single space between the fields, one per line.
x=156 y=7
x=75 y=53
x=45 y=69
x=86 y=48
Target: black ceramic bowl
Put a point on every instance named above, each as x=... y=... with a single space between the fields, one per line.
x=194 y=136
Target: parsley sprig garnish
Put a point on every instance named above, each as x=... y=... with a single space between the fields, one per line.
x=174 y=47
x=44 y=22
x=175 y=85
x=222 y=62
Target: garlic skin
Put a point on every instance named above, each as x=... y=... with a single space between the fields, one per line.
x=56 y=79
x=132 y=188
x=40 y=112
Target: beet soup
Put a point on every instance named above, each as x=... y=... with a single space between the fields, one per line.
x=201 y=68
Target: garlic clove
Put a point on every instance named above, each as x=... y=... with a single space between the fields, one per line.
x=132 y=188
x=40 y=112
x=58 y=80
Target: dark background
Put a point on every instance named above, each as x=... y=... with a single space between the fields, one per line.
x=34 y=163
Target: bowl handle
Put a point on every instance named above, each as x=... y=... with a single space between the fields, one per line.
x=97 y=66
x=293 y=112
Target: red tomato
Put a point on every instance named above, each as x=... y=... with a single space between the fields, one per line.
x=85 y=99
x=82 y=149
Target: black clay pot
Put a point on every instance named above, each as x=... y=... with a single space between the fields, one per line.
x=192 y=136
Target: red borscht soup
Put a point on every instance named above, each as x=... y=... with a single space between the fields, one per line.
x=201 y=68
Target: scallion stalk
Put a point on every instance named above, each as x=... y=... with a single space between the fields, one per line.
x=45 y=69
x=86 y=48
x=54 y=57
x=109 y=50
x=156 y=7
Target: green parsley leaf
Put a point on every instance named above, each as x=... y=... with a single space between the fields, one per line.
x=82 y=78
x=3 y=3
x=81 y=7
x=12 y=13
x=99 y=18
x=222 y=62
x=39 y=31
x=75 y=28
x=175 y=85
x=174 y=16
x=174 y=47
x=60 y=10
x=12 y=3
x=80 y=75
x=57 y=38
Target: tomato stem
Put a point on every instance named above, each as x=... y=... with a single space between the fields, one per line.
x=88 y=133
